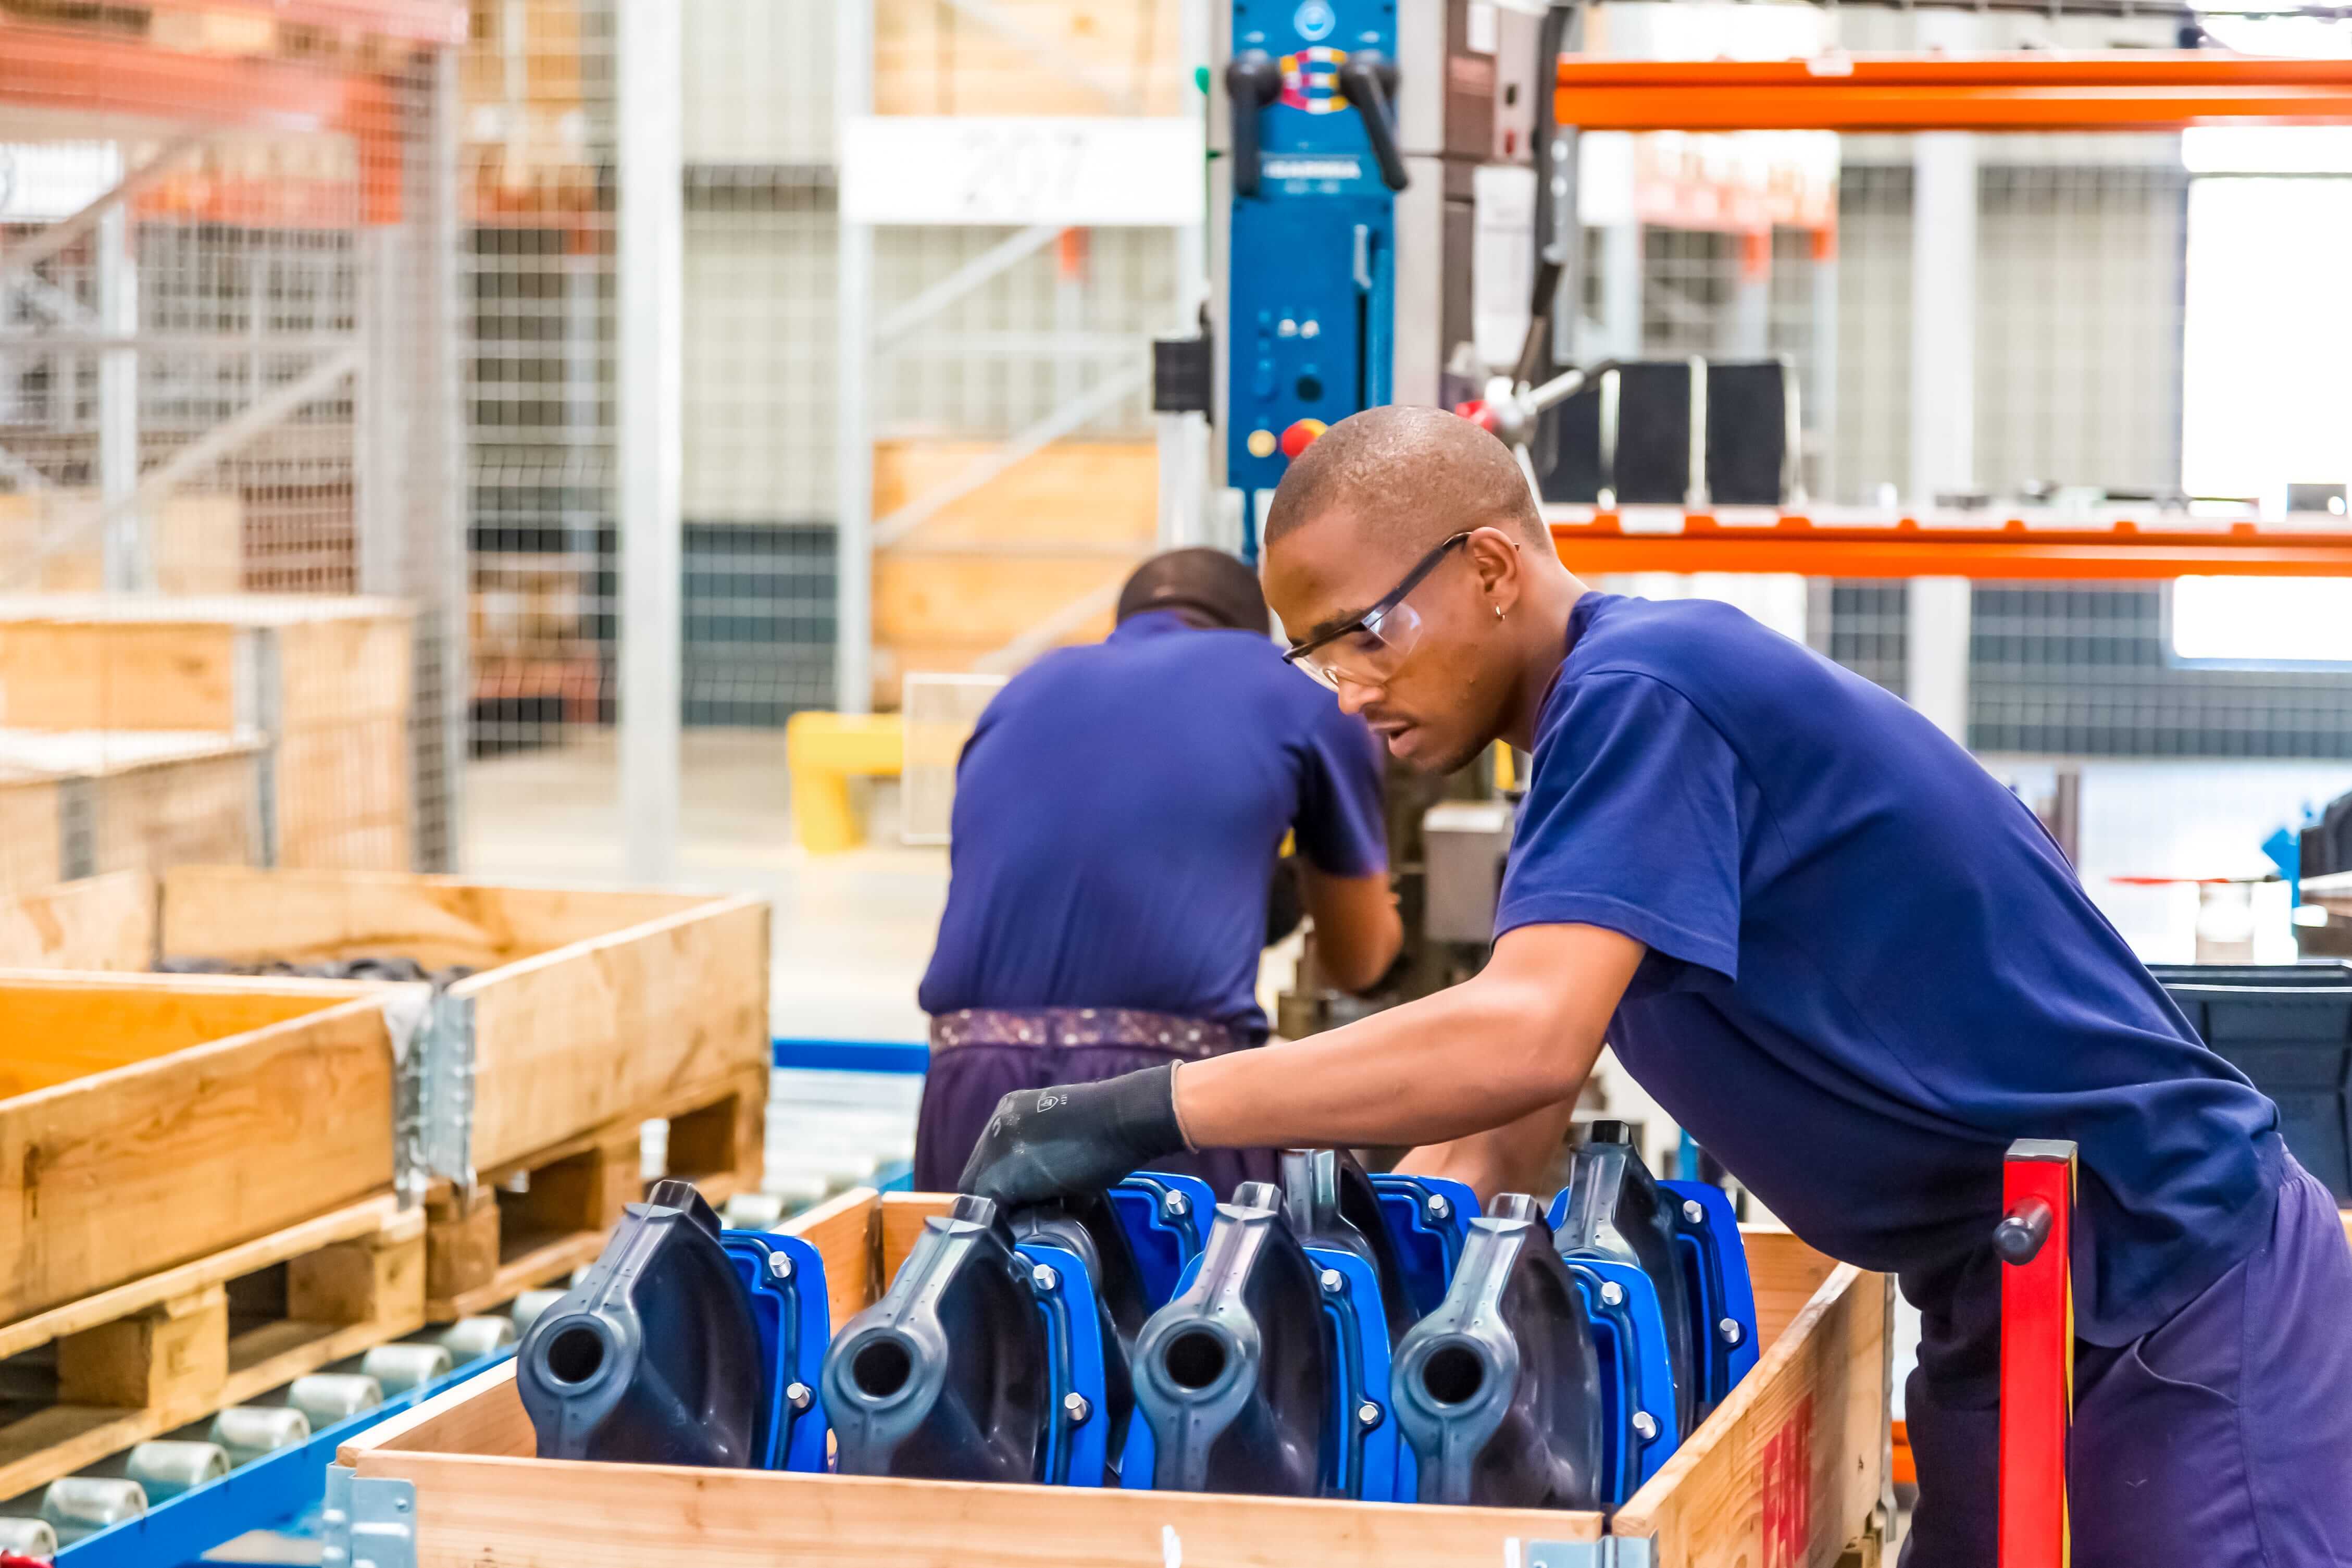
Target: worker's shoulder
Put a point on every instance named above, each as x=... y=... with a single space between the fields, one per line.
x=1735 y=670
x=1680 y=642
x=1199 y=661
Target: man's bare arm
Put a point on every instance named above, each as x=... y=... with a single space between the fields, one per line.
x=1512 y=1158
x=1515 y=1039
x=1356 y=931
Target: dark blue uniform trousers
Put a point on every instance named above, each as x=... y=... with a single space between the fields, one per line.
x=2221 y=1439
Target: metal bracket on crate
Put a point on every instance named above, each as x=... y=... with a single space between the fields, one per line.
x=1609 y=1552
x=443 y=1066
x=367 y=1524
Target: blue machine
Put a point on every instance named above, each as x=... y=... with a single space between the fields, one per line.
x=1315 y=168
x=1428 y=1219
x=1723 y=1300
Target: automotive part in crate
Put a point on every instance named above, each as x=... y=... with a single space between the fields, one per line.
x=1330 y=1206
x=654 y=1357
x=1612 y=1209
x=1499 y=1390
x=784 y=1277
x=1330 y=1202
x=1428 y=1220
x=1714 y=1278
x=1166 y=1218
x=1232 y=1378
x=945 y=1378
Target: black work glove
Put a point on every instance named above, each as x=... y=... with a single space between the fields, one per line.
x=1073 y=1138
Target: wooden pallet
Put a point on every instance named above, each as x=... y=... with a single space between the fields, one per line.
x=129 y=1363
x=491 y=1244
x=1787 y=1472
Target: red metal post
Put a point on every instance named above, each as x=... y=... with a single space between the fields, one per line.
x=2037 y=1350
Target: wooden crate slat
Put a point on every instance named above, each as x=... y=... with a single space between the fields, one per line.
x=1791 y=1465
x=158 y=1119
x=103 y=923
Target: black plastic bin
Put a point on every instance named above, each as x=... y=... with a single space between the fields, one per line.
x=2288 y=1027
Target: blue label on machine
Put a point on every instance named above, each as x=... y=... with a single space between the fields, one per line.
x=1311 y=286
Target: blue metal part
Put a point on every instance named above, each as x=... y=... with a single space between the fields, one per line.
x=1636 y=1379
x=1428 y=1236
x=1723 y=1300
x=789 y=1307
x=1366 y=1456
x=1165 y=1235
x=1311 y=294
x=1076 y=1451
x=279 y=1491
x=853 y=1056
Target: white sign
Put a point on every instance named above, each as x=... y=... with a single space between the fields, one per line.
x=43 y=182
x=982 y=169
x=1502 y=261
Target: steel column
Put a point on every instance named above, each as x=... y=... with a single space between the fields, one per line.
x=853 y=472
x=650 y=434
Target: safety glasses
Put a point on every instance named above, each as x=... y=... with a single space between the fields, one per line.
x=1369 y=649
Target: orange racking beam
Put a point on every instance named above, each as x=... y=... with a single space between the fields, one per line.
x=2125 y=90
x=410 y=21
x=2010 y=552
x=92 y=73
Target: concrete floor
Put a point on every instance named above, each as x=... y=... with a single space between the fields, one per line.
x=852 y=932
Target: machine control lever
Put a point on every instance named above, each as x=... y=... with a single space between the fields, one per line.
x=1253 y=80
x=2022 y=1231
x=1368 y=77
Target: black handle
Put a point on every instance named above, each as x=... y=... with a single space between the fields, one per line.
x=2022 y=1231
x=1251 y=80
x=1368 y=78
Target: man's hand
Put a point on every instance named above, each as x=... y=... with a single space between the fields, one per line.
x=1073 y=1138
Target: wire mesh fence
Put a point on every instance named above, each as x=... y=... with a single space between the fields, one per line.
x=230 y=625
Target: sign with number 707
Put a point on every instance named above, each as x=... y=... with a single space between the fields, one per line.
x=1071 y=170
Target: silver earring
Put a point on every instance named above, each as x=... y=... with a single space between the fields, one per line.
x=1498 y=611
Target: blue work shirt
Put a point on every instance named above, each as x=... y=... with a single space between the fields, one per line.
x=1119 y=812
x=1870 y=968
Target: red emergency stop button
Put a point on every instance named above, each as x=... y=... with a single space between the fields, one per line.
x=1300 y=435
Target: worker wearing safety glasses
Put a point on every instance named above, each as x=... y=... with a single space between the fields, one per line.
x=1836 y=951
x=1119 y=813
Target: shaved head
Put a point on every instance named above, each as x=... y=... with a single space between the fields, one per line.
x=1468 y=635
x=1406 y=477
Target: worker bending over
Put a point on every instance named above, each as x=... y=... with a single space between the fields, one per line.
x=1119 y=812
x=1841 y=954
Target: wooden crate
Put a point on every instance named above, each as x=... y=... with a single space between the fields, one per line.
x=589 y=1003
x=153 y=1119
x=96 y=923
x=136 y=1361
x=1789 y=1472
x=502 y=1236
x=318 y=686
x=73 y=803
x=1062 y=524
x=198 y=541
x=932 y=58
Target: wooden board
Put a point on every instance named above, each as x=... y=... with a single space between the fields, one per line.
x=157 y=1118
x=1784 y=1475
x=92 y=923
x=320 y=686
x=1791 y=1467
x=198 y=541
x=930 y=58
x=1085 y=494
x=32 y=837
x=593 y=1004
x=953 y=599
x=143 y=1358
